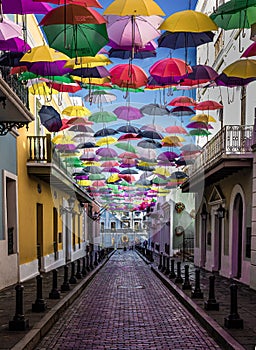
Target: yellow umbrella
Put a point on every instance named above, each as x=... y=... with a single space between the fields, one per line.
x=243 y=68
x=62 y=139
x=162 y=171
x=88 y=62
x=113 y=178
x=76 y=111
x=173 y=140
x=134 y=8
x=108 y=140
x=205 y=118
x=43 y=53
x=91 y=163
x=84 y=182
x=141 y=163
x=41 y=89
x=96 y=81
x=188 y=21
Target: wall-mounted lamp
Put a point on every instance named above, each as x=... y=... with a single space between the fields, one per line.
x=68 y=209
x=204 y=214
x=221 y=212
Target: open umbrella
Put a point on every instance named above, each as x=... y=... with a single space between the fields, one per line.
x=105 y=132
x=126 y=54
x=128 y=129
x=182 y=101
x=181 y=111
x=151 y=144
x=50 y=118
x=88 y=61
x=108 y=140
x=9 y=29
x=95 y=72
x=175 y=129
x=128 y=113
x=86 y=3
x=99 y=97
x=224 y=80
x=129 y=137
x=208 y=105
x=126 y=146
x=242 y=68
x=188 y=21
x=152 y=127
x=72 y=14
x=154 y=109
x=205 y=118
x=80 y=39
x=177 y=40
x=151 y=134
x=76 y=111
x=23 y=7
x=103 y=117
x=134 y=8
x=14 y=44
x=121 y=30
x=201 y=74
x=128 y=75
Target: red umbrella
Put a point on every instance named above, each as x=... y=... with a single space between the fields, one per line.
x=168 y=69
x=127 y=137
x=250 y=51
x=208 y=105
x=182 y=101
x=72 y=14
x=128 y=155
x=86 y=3
x=71 y=88
x=128 y=76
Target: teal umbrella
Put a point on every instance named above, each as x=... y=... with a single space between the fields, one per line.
x=77 y=40
x=102 y=117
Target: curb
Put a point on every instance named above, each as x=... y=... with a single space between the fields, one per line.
x=213 y=328
x=39 y=330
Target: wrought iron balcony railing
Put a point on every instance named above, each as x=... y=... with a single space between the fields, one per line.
x=232 y=141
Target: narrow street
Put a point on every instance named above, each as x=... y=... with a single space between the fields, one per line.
x=126 y=307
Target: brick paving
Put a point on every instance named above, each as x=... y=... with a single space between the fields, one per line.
x=125 y=307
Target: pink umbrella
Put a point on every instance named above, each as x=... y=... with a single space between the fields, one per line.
x=208 y=105
x=109 y=164
x=150 y=46
x=176 y=129
x=24 y=7
x=199 y=125
x=153 y=127
x=128 y=155
x=120 y=29
x=250 y=51
x=128 y=113
x=9 y=29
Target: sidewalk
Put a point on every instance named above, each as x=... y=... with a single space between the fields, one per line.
x=40 y=322
x=246 y=300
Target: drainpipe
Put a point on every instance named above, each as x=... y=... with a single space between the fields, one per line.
x=253 y=237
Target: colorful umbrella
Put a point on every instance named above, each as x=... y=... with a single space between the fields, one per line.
x=95 y=72
x=201 y=74
x=126 y=54
x=134 y=8
x=198 y=125
x=205 y=118
x=76 y=111
x=129 y=137
x=9 y=29
x=166 y=70
x=128 y=128
x=151 y=144
x=106 y=152
x=86 y=3
x=108 y=140
x=208 y=105
x=152 y=127
x=151 y=134
x=199 y=132
x=177 y=40
x=105 y=132
x=224 y=80
x=175 y=129
x=24 y=7
x=128 y=75
x=188 y=21
x=250 y=51
x=72 y=14
x=243 y=68
x=126 y=146
x=181 y=111
x=126 y=30
x=103 y=117
x=14 y=44
x=50 y=118
x=80 y=39
x=182 y=101
x=88 y=62
x=100 y=97
x=128 y=113
x=154 y=109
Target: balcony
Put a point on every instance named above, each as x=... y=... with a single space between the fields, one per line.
x=13 y=103
x=227 y=152
x=46 y=164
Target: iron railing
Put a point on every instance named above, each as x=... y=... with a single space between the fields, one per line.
x=20 y=89
x=230 y=141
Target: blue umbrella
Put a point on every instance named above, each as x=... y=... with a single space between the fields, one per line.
x=177 y=40
x=50 y=118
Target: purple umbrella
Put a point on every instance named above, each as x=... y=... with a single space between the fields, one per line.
x=128 y=113
x=202 y=72
x=199 y=125
x=14 y=45
x=48 y=68
x=224 y=80
x=106 y=152
x=182 y=111
x=168 y=155
x=24 y=7
x=150 y=46
x=88 y=156
x=111 y=170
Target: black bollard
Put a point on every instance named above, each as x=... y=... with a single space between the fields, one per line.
x=73 y=279
x=91 y=260
x=172 y=272
x=178 y=278
x=211 y=303
x=19 y=322
x=84 y=272
x=160 y=261
x=54 y=294
x=197 y=293
x=78 y=269
x=88 y=262
x=186 y=285
x=96 y=259
x=164 y=264
x=167 y=270
x=40 y=303
x=233 y=320
x=65 y=285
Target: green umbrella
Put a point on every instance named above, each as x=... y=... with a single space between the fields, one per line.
x=60 y=79
x=102 y=117
x=27 y=75
x=125 y=146
x=73 y=161
x=235 y=19
x=199 y=132
x=77 y=40
x=97 y=177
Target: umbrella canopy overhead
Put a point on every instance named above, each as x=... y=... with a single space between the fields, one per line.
x=126 y=75
x=128 y=113
x=243 y=68
x=134 y=8
x=178 y=40
x=24 y=7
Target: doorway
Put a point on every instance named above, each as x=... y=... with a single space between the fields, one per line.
x=237 y=237
x=39 y=233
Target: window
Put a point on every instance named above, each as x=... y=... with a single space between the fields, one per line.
x=55 y=233
x=136 y=226
x=248 y=242
x=113 y=226
x=102 y=226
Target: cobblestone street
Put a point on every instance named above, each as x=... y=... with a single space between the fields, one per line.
x=125 y=307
